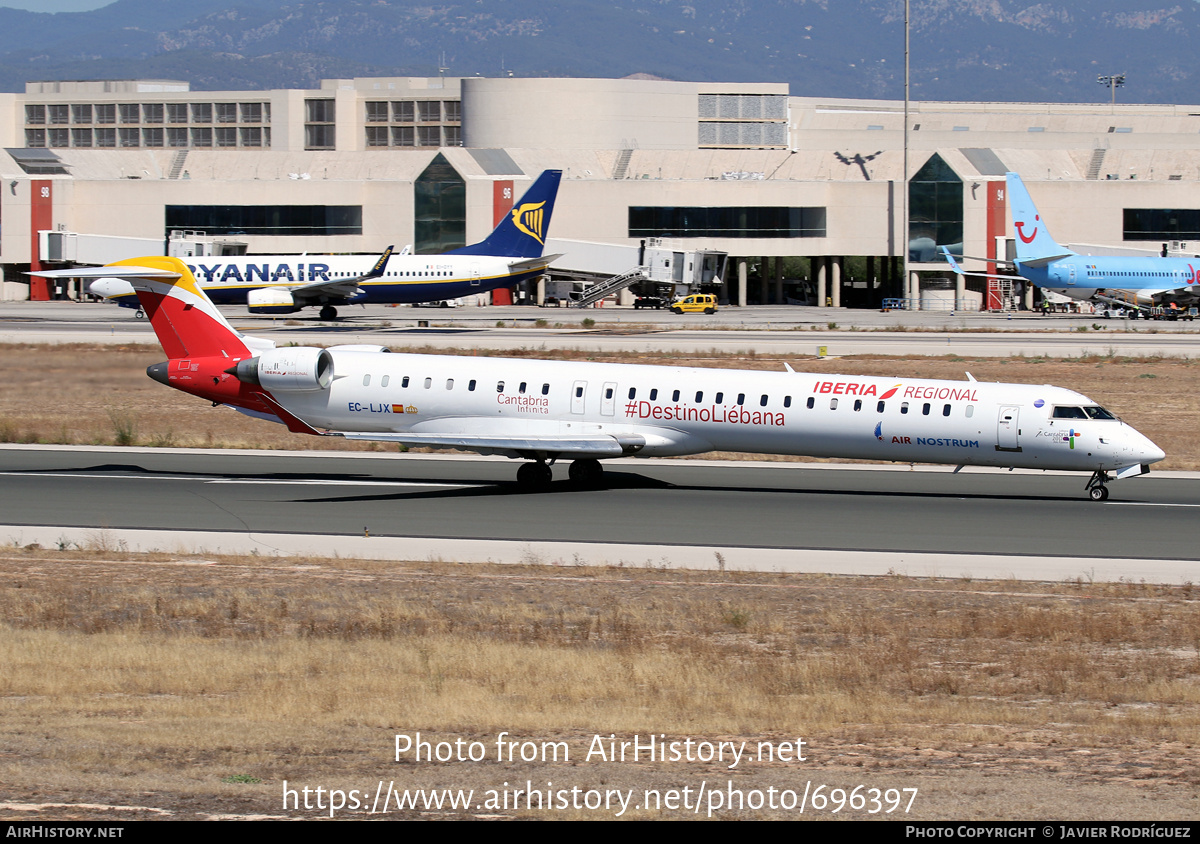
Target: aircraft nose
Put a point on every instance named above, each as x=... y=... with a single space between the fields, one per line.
x=1153 y=453
x=1143 y=450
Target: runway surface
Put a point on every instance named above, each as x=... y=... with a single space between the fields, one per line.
x=786 y=516
x=792 y=332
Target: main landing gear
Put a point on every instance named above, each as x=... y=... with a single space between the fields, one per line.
x=1096 y=488
x=329 y=312
x=535 y=477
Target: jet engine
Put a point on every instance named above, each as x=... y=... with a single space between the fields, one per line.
x=293 y=369
x=271 y=300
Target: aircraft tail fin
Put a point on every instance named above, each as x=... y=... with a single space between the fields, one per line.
x=184 y=318
x=1035 y=246
x=522 y=232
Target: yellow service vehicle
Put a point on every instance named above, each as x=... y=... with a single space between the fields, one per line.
x=695 y=303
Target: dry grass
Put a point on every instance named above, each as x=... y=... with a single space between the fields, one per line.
x=101 y=395
x=170 y=675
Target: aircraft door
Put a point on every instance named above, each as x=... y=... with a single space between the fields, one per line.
x=608 y=400
x=474 y=275
x=1071 y=274
x=1007 y=430
x=578 y=396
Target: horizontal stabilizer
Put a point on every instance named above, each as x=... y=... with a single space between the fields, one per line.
x=107 y=272
x=534 y=263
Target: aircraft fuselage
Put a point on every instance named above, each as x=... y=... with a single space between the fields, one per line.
x=677 y=411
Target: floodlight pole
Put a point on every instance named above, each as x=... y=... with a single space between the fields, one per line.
x=1115 y=81
x=904 y=175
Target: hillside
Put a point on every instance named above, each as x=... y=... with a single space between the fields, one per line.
x=961 y=49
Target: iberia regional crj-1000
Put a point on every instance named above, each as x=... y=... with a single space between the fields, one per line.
x=543 y=411
x=284 y=284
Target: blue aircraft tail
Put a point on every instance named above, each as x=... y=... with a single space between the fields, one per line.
x=522 y=232
x=1035 y=246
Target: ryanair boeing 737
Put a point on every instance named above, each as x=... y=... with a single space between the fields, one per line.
x=284 y=284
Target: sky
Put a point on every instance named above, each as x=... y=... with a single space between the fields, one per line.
x=55 y=5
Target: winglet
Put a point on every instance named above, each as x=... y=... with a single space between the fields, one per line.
x=953 y=264
x=380 y=265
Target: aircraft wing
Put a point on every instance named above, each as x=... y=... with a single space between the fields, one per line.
x=958 y=270
x=339 y=287
x=1000 y=261
x=589 y=446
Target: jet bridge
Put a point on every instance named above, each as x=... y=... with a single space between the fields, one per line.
x=610 y=267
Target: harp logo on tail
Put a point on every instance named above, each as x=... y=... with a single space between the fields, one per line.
x=529 y=218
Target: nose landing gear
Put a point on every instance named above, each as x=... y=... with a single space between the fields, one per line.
x=1096 y=488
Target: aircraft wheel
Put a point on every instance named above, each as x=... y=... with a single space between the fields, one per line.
x=329 y=312
x=586 y=472
x=140 y=314
x=1098 y=493
x=534 y=476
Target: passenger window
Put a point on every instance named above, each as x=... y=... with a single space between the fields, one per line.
x=857 y=405
x=946 y=410
x=521 y=389
x=366 y=380
x=904 y=407
x=763 y=401
x=385 y=380
x=811 y=402
x=675 y=396
x=633 y=392
x=741 y=399
x=546 y=390
x=970 y=410
x=720 y=398
x=449 y=383
x=428 y=383
x=654 y=394
x=499 y=386
x=925 y=409
x=404 y=382
x=699 y=396
x=879 y=407
x=787 y=401
x=471 y=385
x=608 y=394
x=833 y=404
x=579 y=392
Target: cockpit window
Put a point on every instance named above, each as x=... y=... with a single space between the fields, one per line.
x=1061 y=412
x=1097 y=412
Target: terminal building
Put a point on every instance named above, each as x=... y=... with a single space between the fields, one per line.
x=804 y=195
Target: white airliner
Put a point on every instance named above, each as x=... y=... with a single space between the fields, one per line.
x=284 y=284
x=1118 y=279
x=544 y=411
